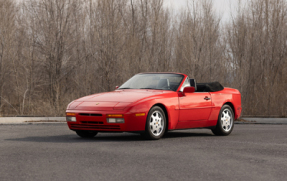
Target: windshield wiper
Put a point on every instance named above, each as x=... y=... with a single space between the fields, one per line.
x=125 y=88
x=141 y=88
x=152 y=88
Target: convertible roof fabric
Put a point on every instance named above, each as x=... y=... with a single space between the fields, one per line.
x=209 y=87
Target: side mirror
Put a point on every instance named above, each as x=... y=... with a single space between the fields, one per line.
x=117 y=87
x=188 y=90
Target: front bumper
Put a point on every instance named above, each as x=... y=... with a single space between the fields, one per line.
x=97 y=121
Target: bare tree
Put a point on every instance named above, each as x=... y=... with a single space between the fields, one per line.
x=199 y=50
x=7 y=48
x=54 y=51
x=257 y=46
x=54 y=29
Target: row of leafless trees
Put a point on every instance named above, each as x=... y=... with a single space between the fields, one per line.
x=54 y=51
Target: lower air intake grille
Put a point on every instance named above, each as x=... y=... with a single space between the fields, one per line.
x=102 y=127
x=92 y=122
x=87 y=114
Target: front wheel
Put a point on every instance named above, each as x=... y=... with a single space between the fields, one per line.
x=225 y=122
x=86 y=134
x=155 y=124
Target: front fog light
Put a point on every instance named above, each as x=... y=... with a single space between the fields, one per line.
x=115 y=120
x=120 y=120
x=112 y=120
x=69 y=118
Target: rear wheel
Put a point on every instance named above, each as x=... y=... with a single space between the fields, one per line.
x=155 y=124
x=225 y=122
x=86 y=134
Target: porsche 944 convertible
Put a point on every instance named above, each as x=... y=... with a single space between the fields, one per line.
x=154 y=103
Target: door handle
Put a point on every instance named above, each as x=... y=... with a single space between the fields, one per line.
x=207 y=98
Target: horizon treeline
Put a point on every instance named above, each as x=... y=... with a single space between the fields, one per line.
x=54 y=51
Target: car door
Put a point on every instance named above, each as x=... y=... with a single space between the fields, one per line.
x=194 y=107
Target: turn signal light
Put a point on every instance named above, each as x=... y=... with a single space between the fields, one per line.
x=70 y=114
x=140 y=114
x=115 y=115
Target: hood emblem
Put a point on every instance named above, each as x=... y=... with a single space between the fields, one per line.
x=97 y=103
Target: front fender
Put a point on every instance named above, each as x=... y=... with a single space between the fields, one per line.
x=170 y=104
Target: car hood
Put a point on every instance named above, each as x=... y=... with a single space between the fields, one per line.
x=118 y=99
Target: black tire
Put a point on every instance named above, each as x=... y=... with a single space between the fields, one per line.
x=224 y=128
x=86 y=134
x=155 y=124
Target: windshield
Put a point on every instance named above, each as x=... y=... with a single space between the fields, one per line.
x=153 y=81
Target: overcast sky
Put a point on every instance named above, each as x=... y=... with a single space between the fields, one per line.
x=222 y=7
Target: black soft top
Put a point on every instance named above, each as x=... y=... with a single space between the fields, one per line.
x=209 y=87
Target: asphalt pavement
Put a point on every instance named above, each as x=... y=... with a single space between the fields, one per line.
x=36 y=120
x=53 y=152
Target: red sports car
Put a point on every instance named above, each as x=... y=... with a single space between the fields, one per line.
x=154 y=103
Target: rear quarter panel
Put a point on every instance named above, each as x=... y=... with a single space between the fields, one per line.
x=226 y=96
